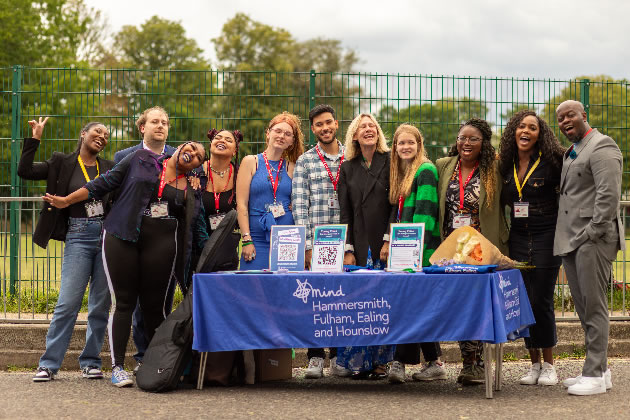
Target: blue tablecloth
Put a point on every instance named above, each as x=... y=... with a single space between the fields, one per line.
x=264 y=311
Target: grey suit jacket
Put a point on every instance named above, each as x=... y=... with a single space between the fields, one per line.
x=590 y=189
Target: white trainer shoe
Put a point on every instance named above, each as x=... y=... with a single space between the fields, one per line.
x=572 y=381
x=431 y=372
x=338 y=370
x=588 y=385
x=548 y=375
x=532 y=376
x=315 y=368
x=396 y=373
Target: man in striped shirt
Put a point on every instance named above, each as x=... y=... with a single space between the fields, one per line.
x=314 y=202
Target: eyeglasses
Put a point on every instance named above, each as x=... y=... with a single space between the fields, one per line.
x=471 y=140
x=279 y=131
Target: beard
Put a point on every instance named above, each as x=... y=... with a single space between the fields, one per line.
x=333 y=138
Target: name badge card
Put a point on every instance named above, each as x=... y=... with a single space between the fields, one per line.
x=461 y=220
x=94 y=208
x=406 y=242
x=276 y=210
x=159 y=209
x=333 y=202
x=215 y=220
x=328 y=248
x=287 y=247
x=521 y=209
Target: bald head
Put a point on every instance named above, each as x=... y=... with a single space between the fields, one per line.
x=572 y=120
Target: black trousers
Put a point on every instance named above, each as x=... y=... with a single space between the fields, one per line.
x=540 y=284
x=332 y=352
x=139 y=271
x=410 y=353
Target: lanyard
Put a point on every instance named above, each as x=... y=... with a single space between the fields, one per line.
x=333 y=180
x=462 y=185
x=519 y=188
x=85 y=174
x=163 y=179
x=274 y=185
x=217 y=195
x=400 y=206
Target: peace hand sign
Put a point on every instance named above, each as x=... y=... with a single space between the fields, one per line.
x=38 y=127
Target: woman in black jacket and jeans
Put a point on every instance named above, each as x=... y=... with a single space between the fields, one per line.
x=80 y=226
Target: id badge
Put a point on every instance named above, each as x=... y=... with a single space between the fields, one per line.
x=333 y=202
x=94 y=208
x=277 y=210
x=521 y=209
x=159 y=209
x=461 y=220
x=215 y=220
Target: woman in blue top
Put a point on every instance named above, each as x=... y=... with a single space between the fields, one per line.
x=263 y=189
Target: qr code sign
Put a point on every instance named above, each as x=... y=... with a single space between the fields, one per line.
x=287 y=252
x=327 y=255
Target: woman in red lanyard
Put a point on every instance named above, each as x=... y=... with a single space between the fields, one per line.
x=219 y=191
x=80 y=227
x=263 y=189
x=413 y=193
x=469 y=190
x=531 y=161
x=148 y=237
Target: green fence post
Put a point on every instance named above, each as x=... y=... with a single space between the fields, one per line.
x=311 y=104
x=584 y=98
x=14 y=228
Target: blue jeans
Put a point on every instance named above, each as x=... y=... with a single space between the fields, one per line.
x=82 y=263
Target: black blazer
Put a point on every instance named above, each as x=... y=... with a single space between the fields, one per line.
x=364 y=204
x=57 y=171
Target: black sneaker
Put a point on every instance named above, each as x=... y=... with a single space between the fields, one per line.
x=43 y=375
x=92 y=372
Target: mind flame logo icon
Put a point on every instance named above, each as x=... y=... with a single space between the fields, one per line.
x=303 y=290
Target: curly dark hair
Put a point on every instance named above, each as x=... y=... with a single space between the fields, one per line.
x=487 y=157
x=547 y=143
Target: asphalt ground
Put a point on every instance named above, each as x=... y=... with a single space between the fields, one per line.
x=70 y=396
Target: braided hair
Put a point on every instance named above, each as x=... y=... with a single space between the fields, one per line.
x=547 y=143
x=238 y=138
x=487 y=157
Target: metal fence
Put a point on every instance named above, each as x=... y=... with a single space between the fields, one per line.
x=200 y=100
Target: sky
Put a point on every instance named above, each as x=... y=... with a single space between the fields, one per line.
x=556 y=39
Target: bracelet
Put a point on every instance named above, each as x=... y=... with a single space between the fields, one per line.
x=243 y=235
x=248 y=243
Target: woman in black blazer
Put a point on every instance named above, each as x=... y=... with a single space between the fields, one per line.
x=80 y=227
x=364 y=190
x=365 y=208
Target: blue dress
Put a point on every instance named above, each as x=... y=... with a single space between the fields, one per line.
x=260 y=218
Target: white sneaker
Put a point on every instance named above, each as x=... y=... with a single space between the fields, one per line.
x=588 y=385
x=548 y=375
x=396 y=373
x=431 y=372
x=315 y=368
x=532 y=376
x=572 y=381
x=338 y=370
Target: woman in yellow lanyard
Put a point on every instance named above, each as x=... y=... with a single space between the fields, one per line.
x=80 y=226
x=530 y=162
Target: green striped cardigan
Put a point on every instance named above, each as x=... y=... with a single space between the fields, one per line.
x=422 y=207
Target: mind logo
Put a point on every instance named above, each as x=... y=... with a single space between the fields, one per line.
x=304 y=290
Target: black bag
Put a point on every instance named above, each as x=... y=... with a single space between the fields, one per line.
x=170 y=350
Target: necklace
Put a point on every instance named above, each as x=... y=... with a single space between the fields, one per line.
x=220 y=173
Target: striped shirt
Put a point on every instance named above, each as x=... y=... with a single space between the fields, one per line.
x=312 y=190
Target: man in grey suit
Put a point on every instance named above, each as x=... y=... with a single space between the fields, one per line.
x=589 y=233
x=153 y=124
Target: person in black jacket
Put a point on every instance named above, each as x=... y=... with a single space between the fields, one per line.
x=80 y=226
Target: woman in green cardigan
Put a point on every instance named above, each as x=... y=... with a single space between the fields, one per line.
x=413 y=193
x=469 y=191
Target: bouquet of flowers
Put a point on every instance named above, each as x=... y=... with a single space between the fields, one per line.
x=467 y=246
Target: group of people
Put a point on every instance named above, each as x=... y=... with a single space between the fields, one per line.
x=563 y=209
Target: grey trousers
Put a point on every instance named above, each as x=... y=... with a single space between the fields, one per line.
x=588 y=270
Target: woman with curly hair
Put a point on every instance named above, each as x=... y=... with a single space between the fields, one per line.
x=530 y=161
x=413 y=194
x=469 y=187
x=263 y=189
